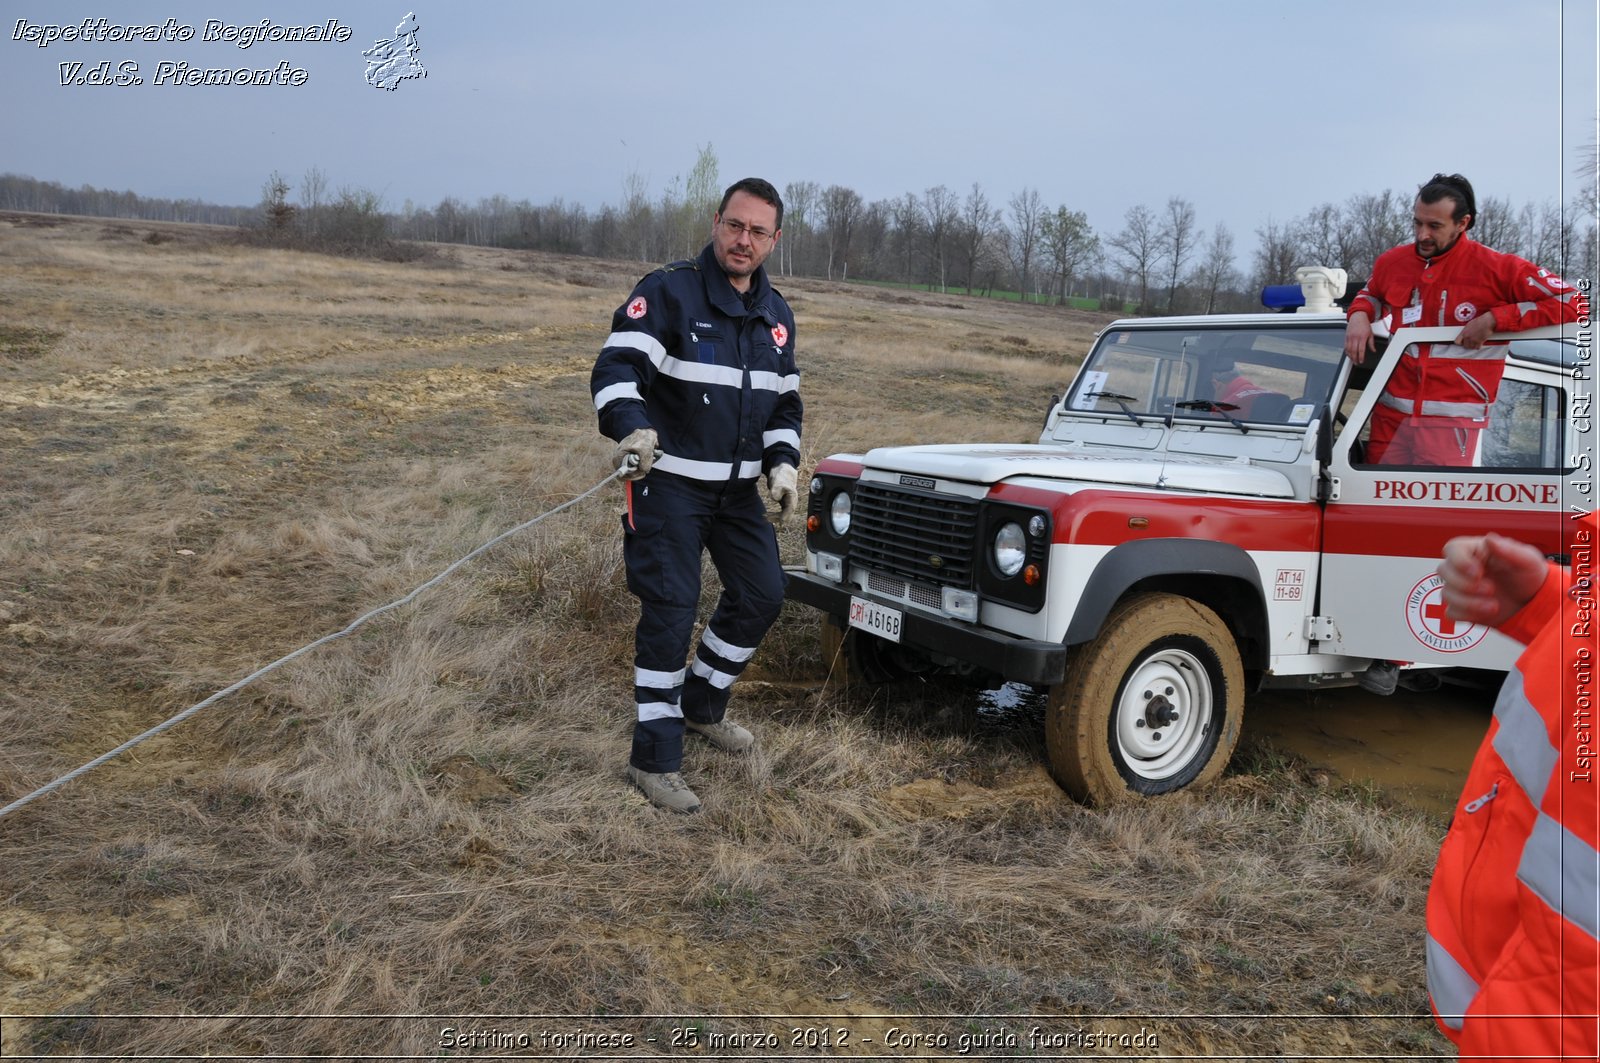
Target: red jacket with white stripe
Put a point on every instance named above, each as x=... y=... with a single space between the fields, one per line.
x=1514 y=907
x=1449 y=381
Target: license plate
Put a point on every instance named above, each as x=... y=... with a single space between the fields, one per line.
x=878 y=619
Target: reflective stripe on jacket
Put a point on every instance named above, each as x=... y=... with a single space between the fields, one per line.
x=714 y=377
x=1514 y=907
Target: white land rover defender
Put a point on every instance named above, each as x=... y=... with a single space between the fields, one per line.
x=1163 y=551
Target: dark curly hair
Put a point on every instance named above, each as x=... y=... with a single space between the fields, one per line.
x=1455 y=187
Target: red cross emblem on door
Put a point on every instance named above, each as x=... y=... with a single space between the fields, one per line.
x=1425 y=615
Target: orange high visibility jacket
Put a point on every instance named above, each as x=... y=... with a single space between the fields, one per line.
x=1445 y=380
x=1514 y=907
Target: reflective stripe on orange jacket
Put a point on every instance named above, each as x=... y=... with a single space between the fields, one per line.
x=1514 y=908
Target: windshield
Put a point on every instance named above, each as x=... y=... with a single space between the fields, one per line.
x=1244 y=375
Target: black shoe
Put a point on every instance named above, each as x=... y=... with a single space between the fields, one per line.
x=1381 y=678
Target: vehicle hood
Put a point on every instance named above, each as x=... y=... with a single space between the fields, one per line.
x=990 y=463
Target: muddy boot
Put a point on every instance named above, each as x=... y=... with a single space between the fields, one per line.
x=724 y=734
x=1381 y=677
x=665 y=789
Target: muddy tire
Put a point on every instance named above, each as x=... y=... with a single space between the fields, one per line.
x=1152 y=705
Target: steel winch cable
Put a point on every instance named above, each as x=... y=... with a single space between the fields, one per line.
x=166 y=725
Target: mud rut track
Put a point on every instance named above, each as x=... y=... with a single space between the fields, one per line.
x=247 y=422
x=118 y=390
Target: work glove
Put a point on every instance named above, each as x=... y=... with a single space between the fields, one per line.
x=641 y=444
x=781 y=488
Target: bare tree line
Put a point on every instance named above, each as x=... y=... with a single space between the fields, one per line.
x=1159 y=261
x=48 y=197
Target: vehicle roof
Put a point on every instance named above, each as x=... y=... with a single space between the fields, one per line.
x=1560 y=352
x=1231 y=321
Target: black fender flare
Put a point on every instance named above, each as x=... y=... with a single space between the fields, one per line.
x=1169 y=564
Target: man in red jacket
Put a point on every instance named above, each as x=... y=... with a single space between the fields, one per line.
x=1438 y=399
x=1233 y=388
x=1514 y=907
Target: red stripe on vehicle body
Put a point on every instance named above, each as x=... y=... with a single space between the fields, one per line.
x=1422 y=531
x=1101 y=518
x=1398 y=529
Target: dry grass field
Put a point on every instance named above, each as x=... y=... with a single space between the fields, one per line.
x=416 y=841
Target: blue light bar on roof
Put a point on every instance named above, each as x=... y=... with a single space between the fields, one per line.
x=1282 y=296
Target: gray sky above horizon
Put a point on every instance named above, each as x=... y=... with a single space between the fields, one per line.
x=1250 y=110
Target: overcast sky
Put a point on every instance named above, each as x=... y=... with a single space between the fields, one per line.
x=1248 y=110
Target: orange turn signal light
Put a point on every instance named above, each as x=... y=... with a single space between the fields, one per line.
x=1031 y=575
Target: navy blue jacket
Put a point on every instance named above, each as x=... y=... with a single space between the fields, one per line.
x=717 y=381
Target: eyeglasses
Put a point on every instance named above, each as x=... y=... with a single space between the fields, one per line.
x=739 y=228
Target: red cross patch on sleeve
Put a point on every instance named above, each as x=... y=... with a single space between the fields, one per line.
x=780 y=335
x=638 y=308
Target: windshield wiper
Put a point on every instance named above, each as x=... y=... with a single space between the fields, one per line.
x=1120 y=400
x=1223 y=408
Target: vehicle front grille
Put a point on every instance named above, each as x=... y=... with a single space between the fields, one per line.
x=924 y=594
x=924 y=538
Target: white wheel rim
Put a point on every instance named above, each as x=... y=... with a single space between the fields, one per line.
x=1170 y=682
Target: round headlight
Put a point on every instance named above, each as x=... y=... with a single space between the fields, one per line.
x=839 y=513
x=1010 y=549
x=1036 y=525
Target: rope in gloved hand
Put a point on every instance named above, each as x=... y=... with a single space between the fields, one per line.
x=281 y=661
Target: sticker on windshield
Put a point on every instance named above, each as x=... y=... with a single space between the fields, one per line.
x=1092 y=384
x=1301 y=413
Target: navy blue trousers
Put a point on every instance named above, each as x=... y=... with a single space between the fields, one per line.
x=670 y=523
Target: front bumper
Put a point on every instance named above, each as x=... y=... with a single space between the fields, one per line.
x=1017 y=660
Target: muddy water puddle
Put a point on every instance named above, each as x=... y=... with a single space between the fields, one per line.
x=1413 y=747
